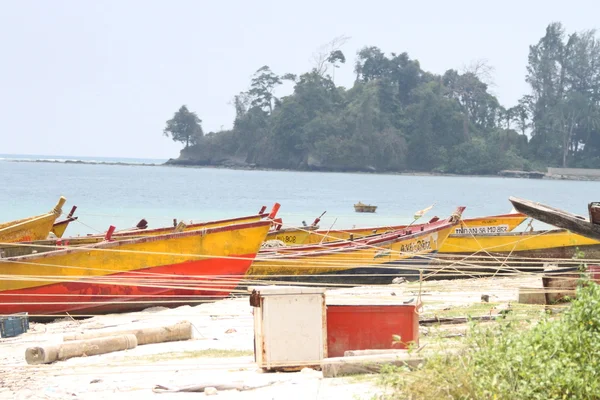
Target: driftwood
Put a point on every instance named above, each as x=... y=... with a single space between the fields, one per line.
x=179 y=331
x=341 y=366
x=457 y=320
x=79 y=348
x=236 y=385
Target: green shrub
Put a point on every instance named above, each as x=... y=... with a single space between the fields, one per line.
x=555 y=359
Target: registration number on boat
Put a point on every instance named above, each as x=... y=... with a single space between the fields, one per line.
x=481 y=230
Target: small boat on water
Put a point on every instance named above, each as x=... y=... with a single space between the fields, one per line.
x=562 y=219
x=32 y=228
x=131 y=274
x=375 y=259
x=364 y=208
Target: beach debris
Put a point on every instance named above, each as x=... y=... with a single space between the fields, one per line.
x=171 y=333
x=355 y=353
x=230 y=330
x=79 y=348
x=485 y=298
x=342 y=366
x=210 y=391
x=399 y=280
x=218 y=386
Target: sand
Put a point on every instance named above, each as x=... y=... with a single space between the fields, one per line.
x=221 y=350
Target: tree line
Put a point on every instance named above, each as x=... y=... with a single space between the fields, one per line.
x=399 y=117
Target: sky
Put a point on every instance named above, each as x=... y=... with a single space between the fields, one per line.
x=100 y=78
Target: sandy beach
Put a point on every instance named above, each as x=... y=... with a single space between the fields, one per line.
x=221 y=349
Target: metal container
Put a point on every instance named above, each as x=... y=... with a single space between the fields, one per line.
x=290 y=327
x=14 y=325
x=370 y=326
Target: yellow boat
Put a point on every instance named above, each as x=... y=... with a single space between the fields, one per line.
x=59 y=227
x=33 y=228
x=522 y=251
x=490 y=224
x=370 y=260
x=114 y=276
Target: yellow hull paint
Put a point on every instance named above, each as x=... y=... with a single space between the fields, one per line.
x=344 y=258
x=514 y=242
x=291 y=236
x=79 y=263
x=491 y=224
x=29 y=229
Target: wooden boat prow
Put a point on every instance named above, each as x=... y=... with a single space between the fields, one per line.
x=32 y=228
x=360 y=207
x=560 y=218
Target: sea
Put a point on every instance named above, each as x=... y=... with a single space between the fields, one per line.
x=121 y=195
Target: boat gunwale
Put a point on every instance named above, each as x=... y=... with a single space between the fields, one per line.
x=144 y=239
x=512 y=233
x=389 y=238
x=352 y=230
x=199 y=225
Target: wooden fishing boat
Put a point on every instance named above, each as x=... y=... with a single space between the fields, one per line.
x=465 y=254
x=559 y=218
x=59 y=227
x=170 y=269
x=364 y=208
x=489 y=224
x=7 y=250
x=32 y=228
x=371 y=260
x=292 y=236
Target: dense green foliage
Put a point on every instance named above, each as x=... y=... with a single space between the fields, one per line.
x=184 y=127
x=399 y=117
x=556 y=359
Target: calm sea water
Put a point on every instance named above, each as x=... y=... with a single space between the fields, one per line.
x=122 y=195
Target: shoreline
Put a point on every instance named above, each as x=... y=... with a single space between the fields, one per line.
x=254 y=168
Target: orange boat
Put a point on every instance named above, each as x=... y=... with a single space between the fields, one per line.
x=33 y=228
x=113 y=276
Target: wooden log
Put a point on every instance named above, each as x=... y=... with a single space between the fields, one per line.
x=172 y=333
x=79 y=348
x=354 y=353
x=341 y=366
x=456 y=320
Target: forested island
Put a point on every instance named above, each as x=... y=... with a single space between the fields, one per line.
x=397 y=117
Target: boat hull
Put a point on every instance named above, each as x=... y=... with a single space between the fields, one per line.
x=490 y=224
x=382 y=274
x=190 y=265
x=29 y=229
x=390 y=253
x=512 y=252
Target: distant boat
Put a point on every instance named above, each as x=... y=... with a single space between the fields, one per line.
x=360 y=207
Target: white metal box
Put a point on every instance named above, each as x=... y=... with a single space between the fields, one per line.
x=290 y=326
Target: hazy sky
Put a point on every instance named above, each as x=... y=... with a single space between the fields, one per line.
x=100 y=78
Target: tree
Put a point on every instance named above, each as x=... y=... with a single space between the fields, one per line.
x=184 y=127
x=262 y=86
x=322 y=56
x=335 y=57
